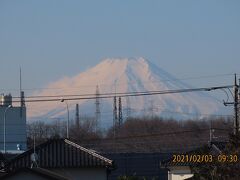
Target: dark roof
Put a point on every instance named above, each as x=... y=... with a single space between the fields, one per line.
x=38 y=171
x=138 y=164
x=59 y=153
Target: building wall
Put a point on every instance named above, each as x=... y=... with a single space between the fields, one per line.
x=15 y=128
x=179 y=173
x=82 y=173
x=25 y=176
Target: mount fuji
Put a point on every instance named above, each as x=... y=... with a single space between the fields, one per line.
x=124 y=75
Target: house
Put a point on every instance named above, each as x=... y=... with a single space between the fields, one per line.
x=58 y=159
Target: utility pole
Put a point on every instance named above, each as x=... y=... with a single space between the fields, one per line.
x=236 y=122
x=236 y=103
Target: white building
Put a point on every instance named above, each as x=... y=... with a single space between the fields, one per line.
x=12 y=126
x=179 y=173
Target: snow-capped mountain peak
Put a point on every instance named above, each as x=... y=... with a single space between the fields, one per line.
x=124 y=75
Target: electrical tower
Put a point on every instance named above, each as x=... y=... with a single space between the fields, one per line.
x=97 y=112
x=115 y=117
x=77 y=119
x=120 y=118
x=151 y=108
x=128 y=114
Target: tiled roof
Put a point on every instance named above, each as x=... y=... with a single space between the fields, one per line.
x=59 y=153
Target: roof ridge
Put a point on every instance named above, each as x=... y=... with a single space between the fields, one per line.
x=88 y=151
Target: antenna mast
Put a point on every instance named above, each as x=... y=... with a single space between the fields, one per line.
x=22 y=101
x=20 y=80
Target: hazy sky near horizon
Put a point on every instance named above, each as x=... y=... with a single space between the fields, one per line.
x=57 y=38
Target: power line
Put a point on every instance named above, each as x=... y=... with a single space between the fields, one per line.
x=167 y=110
x=132 y=82
x=127 y=94
x=167 y=133
x=160 y=134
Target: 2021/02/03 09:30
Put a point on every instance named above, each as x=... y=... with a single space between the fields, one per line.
x=207 y=158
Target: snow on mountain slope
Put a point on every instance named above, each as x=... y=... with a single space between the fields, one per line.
x=124 y=75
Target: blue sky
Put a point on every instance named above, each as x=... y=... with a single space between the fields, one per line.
x=57 y=38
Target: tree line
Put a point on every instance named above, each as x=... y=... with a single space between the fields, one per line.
x=146 y=134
